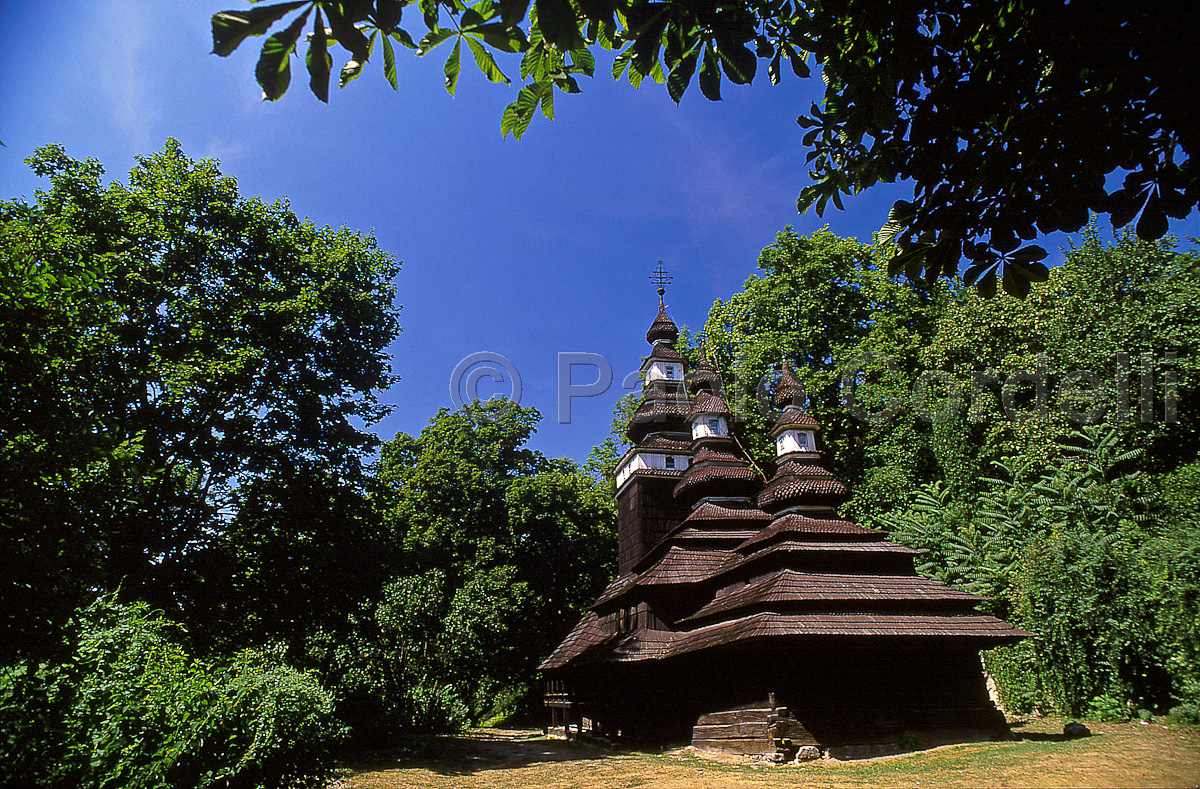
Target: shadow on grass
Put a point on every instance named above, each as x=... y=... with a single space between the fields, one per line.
x=473 y=752
x=1039 y=736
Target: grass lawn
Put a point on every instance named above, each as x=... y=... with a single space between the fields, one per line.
x=1117 y=755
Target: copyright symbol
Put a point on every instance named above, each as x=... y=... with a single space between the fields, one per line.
x=464 y=381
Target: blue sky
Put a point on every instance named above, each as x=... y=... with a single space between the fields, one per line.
x=524 y=248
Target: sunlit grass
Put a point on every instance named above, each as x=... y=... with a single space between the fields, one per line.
x=1118 y=755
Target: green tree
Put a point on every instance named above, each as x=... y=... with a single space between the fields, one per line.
x=1132 y=300
x=980 y=105
x=168 y=346
x=823 y=304
x=1065 y=553
x=503 y=549
x=301 y=555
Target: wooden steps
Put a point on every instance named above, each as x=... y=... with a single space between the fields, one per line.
x=751 y=730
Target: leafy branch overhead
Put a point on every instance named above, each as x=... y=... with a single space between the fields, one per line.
x=1011 y=118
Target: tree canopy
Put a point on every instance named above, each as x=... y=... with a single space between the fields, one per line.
x=1042 y=452
x=168 y=346
x=1011 y=117
x=205 y=579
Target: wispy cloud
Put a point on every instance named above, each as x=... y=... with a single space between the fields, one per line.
x=726 y=177
x=120 y=74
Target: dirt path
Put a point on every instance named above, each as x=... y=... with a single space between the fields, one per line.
x=1118 y=755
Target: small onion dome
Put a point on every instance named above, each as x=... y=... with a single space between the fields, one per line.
x=715 y=473
x=789 y=391
x=793 y=418
x=705 y=378
x=707 y=404
x=659 y=416
x=663 y=329
x=802 y=483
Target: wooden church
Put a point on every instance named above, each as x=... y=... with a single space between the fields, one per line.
x=749 y=618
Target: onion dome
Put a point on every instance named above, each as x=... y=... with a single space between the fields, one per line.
x=708 y=404
x=793 y=418
x=789 y=391
x=660 y=414
x=802 y=482
x=663 y=329
x=705 y=378
x=665 y=406
x=715 y=473
x=794 y=431
x=709 y=418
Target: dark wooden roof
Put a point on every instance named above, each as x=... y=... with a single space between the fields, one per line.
x=789 y=390
x=618 y=587
x=793 y=417
x=799 y=588
x=801 y=482
x=665 y=353
x=708 y=403
x=812 y=554
x=683 y=566
x=658 y=473
x=980 y=630
x=796 y=526
x=709 y=478
x=663 y=328
x=590 y=641
x=710 y=512
x=659 y=414
x=585 y=636
x=705 y=377
x=664 y=444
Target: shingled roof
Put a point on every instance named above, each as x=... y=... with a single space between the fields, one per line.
x=789 y=390
x=663 y=444
x=589 y=641
x=665 y=352
x=793 y=417
x=795 y=526
x=985 y=631
x=801 y=483
x=658 y=414
x=708 y=403
x=705 y=377
x=710 y=512
x=793 y=589
x=714 y=472
x=663 y=328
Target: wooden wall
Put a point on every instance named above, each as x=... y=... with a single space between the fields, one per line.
x=832 y=697
x=646 y=512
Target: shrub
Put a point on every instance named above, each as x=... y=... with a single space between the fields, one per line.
x=130 y=708
x=1108 y=710
x=1185 y=713
x=1018 y=680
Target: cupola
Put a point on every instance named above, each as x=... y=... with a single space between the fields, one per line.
x=710 y=417
x=795 y=431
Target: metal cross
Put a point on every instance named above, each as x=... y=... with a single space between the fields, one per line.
x=661 y=278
